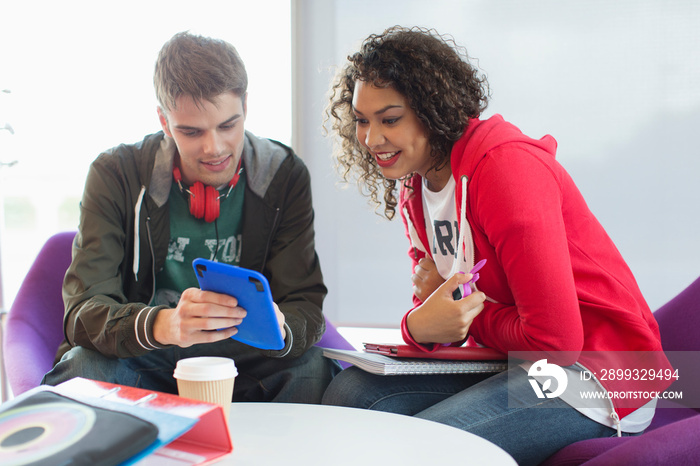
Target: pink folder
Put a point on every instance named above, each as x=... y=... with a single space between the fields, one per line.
x=458 y=353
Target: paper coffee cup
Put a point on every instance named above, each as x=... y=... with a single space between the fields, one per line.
x=207 y=379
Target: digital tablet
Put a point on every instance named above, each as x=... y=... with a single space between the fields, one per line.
x=259 y=327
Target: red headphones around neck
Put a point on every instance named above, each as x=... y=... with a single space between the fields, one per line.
x=203 y=199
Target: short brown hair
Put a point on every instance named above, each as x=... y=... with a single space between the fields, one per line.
x=197 y=66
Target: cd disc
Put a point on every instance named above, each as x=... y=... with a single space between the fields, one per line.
x=32 y=433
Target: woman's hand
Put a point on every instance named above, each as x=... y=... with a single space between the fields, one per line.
x=441 y=319
x=425 y=278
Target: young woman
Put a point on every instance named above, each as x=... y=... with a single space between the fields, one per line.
x=406 y=110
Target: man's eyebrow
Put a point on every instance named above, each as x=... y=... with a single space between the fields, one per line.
x=230 y=120
x=381 y=110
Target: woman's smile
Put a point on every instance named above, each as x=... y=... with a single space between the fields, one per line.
x=387 y=159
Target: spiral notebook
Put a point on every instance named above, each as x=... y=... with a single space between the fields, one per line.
x=388 y=365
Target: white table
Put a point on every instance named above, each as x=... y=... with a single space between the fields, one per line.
x=289 y=434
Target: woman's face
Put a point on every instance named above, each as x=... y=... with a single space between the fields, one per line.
x=390 y=130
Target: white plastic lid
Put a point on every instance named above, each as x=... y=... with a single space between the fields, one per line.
x=205 y=368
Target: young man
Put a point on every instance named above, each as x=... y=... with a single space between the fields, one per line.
x=203 y=187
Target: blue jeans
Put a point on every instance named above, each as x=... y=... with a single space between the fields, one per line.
x=260 y=378
x=477 y=403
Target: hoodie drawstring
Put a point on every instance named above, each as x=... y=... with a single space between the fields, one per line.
x=616 y=421
x=463 y=231
x=413 y=234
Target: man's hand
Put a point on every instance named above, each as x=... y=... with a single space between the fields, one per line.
x=441 y=319
x=200 y=317
x=280 y=321
x=425 y=278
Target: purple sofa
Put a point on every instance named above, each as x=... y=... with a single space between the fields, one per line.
x=34 y=326
x=673 y=438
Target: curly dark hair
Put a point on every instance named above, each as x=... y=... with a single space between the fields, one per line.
x=436 y=78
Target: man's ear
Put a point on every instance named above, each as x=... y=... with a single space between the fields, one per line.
x=164 y=122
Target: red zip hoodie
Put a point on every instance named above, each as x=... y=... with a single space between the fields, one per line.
x=555 y=281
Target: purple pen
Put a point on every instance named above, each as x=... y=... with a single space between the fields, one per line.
x=466 y=288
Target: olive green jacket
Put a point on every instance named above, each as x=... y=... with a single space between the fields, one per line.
x=124 y=235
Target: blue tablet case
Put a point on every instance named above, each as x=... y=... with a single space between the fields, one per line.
x=259 y=328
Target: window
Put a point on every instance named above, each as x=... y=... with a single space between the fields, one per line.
x=80 y=78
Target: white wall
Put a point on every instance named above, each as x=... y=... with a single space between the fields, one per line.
x=616 y=83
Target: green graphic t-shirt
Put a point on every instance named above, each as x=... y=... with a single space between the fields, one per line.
x=191 y=238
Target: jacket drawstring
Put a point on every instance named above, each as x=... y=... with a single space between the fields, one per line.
x=613 y=414
x=137 y=223
x=616 y=420
x=466 y=240
x=413 y=234
x=463 y=230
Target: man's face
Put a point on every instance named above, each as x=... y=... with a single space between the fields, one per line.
x=209 y=137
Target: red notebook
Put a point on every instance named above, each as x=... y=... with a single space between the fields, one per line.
x=457 y=353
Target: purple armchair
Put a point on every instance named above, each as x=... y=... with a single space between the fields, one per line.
x=672 y=437
x=34 y=327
